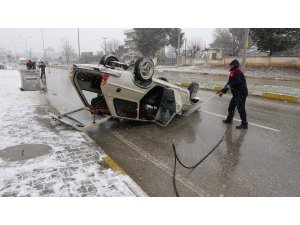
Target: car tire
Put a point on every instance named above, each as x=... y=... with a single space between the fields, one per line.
x=163 y=78
x=193 y=89
x=144 y=69
x=107 y=59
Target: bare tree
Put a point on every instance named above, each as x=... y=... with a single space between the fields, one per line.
x=238 y=39
x=222 y=39
x=230 y=40
x=109 y=46
x=195 y=45
x=112 y=45
x=67 y=49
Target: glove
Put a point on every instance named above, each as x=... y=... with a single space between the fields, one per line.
x=225 y=89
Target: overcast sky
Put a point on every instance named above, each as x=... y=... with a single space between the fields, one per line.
x=90 y=38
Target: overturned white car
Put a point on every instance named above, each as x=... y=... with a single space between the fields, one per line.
x=129 y=91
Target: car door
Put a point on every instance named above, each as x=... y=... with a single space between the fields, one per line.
x=167 y=108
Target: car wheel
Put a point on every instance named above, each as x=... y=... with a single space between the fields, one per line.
x=193 y=89
x=144 y=69
x=163 y=78
x=108 y=59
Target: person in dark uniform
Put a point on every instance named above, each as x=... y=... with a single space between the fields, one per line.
x=238 y=86
x=42 y=66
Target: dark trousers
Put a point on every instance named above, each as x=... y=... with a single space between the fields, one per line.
x=239 y=102
x=43 y=72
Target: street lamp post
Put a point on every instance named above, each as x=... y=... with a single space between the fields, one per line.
x=104 y=38
x=16 y=51
x=78 y=43
x=42 y=30
x=14 y=44
x=185 y=40
x=246 y=39
x=25 y=39
x=178 y=49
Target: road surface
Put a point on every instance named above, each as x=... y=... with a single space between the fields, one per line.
x=261 y=161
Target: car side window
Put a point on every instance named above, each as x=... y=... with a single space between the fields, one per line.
x=85 y=77
x=95 y=82
x=125 y=108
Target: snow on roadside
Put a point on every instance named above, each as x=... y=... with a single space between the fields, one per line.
x=73 y=168
x=253 y=72
x=205 y=82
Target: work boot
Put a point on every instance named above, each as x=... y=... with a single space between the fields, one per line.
x=242 y=126
x=227 y=121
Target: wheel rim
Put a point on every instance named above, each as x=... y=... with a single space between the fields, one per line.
x=146 y=70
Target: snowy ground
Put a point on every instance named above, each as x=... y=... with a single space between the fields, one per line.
x=75 y=166
x=256 y=72
x=207 y=80
x=204 y=81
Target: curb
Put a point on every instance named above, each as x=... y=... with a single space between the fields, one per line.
x=267 y=95
x=280 y=97
x=218 y=74
x=112 y=164
x=132 y=185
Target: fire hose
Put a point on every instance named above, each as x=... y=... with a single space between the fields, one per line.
x=176 y=157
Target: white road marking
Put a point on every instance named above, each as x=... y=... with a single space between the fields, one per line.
x=253 y=124
x=162 y=166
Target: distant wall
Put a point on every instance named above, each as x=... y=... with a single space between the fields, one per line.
x=261 y=61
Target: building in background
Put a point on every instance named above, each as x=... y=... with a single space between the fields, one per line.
x=214 y=53
x=129 y=42
x=91 y=57
x=130 y=49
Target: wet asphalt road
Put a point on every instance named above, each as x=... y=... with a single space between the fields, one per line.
x=261 y=161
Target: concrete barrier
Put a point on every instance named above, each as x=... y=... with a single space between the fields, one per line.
x=281 y=97
x=184 y=84
x=218 y=88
